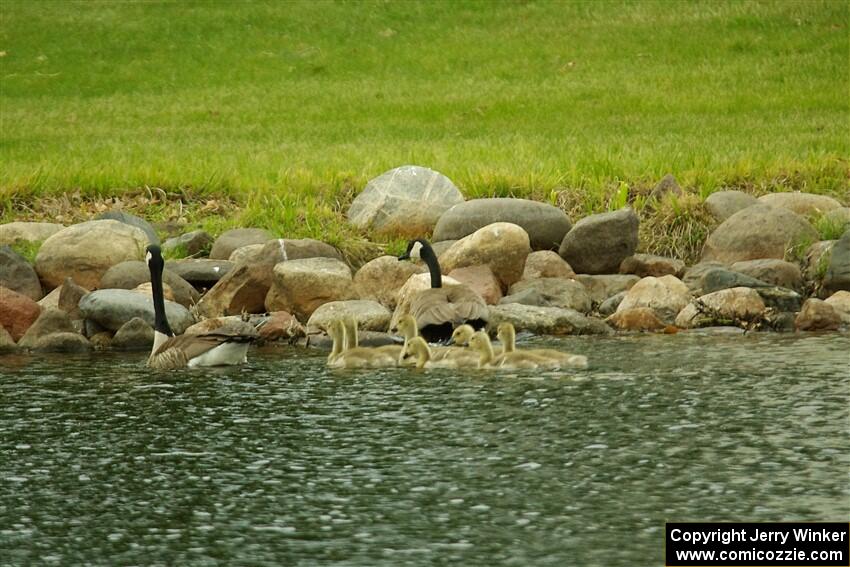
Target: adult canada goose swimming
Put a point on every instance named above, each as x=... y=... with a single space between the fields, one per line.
x=445 y=356
x=552 y=358
x=440 y=309
x=417 y=349
x=359 y=357
x=221 y=347
x=480 y=342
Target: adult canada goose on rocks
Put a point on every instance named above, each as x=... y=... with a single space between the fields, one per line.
x=440 y=309
x=221 y=347
x=550 y=358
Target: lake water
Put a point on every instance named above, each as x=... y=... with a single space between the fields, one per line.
x=283 y=462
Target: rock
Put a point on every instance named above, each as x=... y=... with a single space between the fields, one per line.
x=281 y=325
x=782 y=322
x=189 y=244
x=51 y=300
x=546 y=320
x=370 y=315
x=610 y=305
x=17 y=274
x=817 y=315
x=666 y=296
x=132 y=220
x=545 y=224
x=87 y=250
x=17 y=312
x=529 y=296
x=546 y=264
x=724 y=204
x=804 y=204
x=62 y=342
x=233 y=323
x=101 y=340
x=13 y=232
x=406 y=201
x=131 y=274
x=235 y=238
x=695 y=275
x=721 y=278
x=773 y=271
x=146 y=289
x=557 y=292
x=200 y=273
x=70 y=295
x=780 y=299
x=733 y=305
x=636 y=319
x=837 y=276
x=441 y=247
x=667 y=185
x=840 y=301
x=381 y=279
x=759 y=231
x=597 y=244
x=481 y=280
x=135 y=334
x=602 y=287
x=408 y=292
x=816 y=260
x=301 y=248
x=49 y=322
x=111 y=308
x=301 y=286
x=245 y=253
x=7 y=344
x=501 y=246
x=836 y=217
x=643 y=265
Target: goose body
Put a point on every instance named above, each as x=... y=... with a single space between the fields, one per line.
x=439 y=310
x=480 y=342
x=549 y=358
x=226 y=345
x=356 y=357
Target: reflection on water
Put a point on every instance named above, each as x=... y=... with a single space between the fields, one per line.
x=283 y=462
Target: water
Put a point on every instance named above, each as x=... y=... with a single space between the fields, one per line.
x=283 y=462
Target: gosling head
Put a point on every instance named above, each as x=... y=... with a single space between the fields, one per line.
x=479 y=340
x=462 y=334
x=505 y=331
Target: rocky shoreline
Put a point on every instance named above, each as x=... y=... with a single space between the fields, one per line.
x=88 y=287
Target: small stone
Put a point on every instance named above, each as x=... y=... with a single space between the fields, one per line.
x=49 y=322
x=720 y=278
x=818 y=315
x=246 y=253
x=773 y=271
x=643 y=265
x=70 y=295
x=370 y=315
x=695 y=275
x=733 y=305
x=7 y=344
x=528 y=296
x=610 y=305
x=546 y=320
x=281 y=325
x=31 y=232
x=192 y=243
x=666 y=296
x=557 y=292
x=200 y=273
x=840 y=301
x=603 y=286
x=837 y=276
x=597 y=244
x=135 y=334
x=546 y=264
x=667 y=185
x=62 y=342
x=805 y=204
x=780 y=298
x=235 y=238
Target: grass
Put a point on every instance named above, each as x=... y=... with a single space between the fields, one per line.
x=279 y=113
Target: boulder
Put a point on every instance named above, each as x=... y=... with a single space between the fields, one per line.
x=87 y=250
x=17 y=274
x=804 y=204
x=545 y=224
x=200 y=273
x=235 y=238
x=17 y=312
x=529 y=296
x=837 y=275
x=135 y=334
x=481 y=280
x=370 y=315
x=51 y=300
x=281 y=325
x=636 y=319
x=131 y=274
x=441 y=247
x=245 y=253
x=192 y=243
x=602 y=287
x=546 y=264
x=721 y=278
x=408 y=292
x=13 y=232
x=301 y=286
x=501 y=246
x=724 y=204
x=7 y=344
x=62 y=342
x=780 y=299
x=381 y=279
x=667 y=186
x=733 y=305
x=556 y=292
x=666 y=296
x=49 y=322
x=759 y=231
x=840 y=301
x=546 y=320
x=406 y=201
x=597 y=244
x=132 y=220
x=773 y=271
x=643 y=265
x=111 y=308
x=695 y=275
x=817 y=315
x=70 y=295
x=610 y=305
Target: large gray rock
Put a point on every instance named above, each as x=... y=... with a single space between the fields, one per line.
x=17 y=274
x=381 y=279
x=545 y=224
x=131 y=220
x=301 y=286
x=111 y=308
x=201 y=273
x=556 y=292
x=546 y=320
x=804 y=204
x=406 y=201
x=235 y=238
x=599 y=243
x=129 y=275
x=759 y=231
x=724 y=204
x=191 y=243
x=50 y=321
x=603 y=286
x=502 y=246
x=773 y=271
x=721 y=278
x=87 y=250
x=370 y=315
x=27 y=231
x=838 y=273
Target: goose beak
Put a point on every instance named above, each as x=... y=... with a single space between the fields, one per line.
x=405 y=256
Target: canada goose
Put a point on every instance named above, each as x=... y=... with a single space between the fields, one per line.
x=358 y=357
x=462 y=334
x=446 y=356
x=417 y=349
x=480 y=342
x=550 y=358
x=439 y=309
x=352 y=340
x=217 y=348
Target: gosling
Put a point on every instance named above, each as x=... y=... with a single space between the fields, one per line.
x=444 y=356
x=358 y=357
x=418 y=350
x=550 y=358
x=487 y=358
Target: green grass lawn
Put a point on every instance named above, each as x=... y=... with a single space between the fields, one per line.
x=279 y=103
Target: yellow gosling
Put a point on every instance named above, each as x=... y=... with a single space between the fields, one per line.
x=549 y=358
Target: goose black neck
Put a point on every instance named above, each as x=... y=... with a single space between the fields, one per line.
x=160 y=320
x=428 y=256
